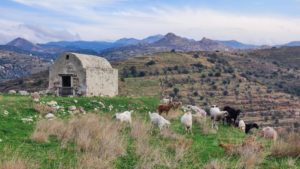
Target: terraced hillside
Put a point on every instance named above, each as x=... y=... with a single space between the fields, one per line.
x=208 y=78
x=14 y=65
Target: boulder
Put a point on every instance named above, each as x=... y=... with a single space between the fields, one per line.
x=72 y=108
x=50 y=116
x=12 y=92
x=52 y=103
x=23 y=93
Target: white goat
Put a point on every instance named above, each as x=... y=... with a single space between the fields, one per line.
x=198 y=112
x=242 y=125
x=217 y=115
x=187 y=121
x=124 y=117
x=270 y=133
x=158 y=120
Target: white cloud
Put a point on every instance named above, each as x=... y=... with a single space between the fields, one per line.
x=192 y=22
x=37 y=34
x=195 y=23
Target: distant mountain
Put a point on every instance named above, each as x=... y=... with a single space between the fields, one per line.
x=238 y=45
x=152 y=39
x=23 y=44
x=294 y=43
x=91 y=45
x=166 y=43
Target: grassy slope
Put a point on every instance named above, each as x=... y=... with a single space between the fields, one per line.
x=15 y=134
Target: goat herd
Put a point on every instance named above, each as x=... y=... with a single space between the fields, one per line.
x=227 y=115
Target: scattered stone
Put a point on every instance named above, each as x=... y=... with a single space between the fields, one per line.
x=35 y=96
x=81 y=110
x=102 y=104
x=75 y=101
x=23 y=93
x=12 y=92
x=110 y=107
x=5 y=112
x=72 y=108
x=52 y=103
x=27 y=120
x=50 y=116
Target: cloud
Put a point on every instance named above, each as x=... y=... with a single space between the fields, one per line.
x=117 y=20
x=34 y=33
x=194 y=23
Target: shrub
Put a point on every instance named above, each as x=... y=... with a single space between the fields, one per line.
x=151 y=62
x=288 y=147
x=99 y=139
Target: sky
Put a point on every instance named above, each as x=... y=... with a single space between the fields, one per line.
x=257 y=22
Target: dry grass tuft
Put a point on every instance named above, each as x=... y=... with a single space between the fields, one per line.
x=43 y=109
x=288 y=147
x=250 y=152
x=205 y=126
x=174 y=114
x=14 y=164
x=216 y=164
x=98 y=138
x=248 y=144
x=11 y=159
x=151 y=156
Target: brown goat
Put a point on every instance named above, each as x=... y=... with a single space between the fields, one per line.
x=165 y=108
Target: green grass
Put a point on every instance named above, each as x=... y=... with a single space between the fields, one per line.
x=15 y=134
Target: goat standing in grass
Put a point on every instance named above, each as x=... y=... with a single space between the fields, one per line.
x=158 y=120
x=165 y=108
x=124 y=117
x=217 y=115
x=187 y=121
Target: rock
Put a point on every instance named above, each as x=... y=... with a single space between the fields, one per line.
x=50 y=116
x=5 y=112
x=12 y=92
x=81 y=110
x=72 y=108
x=0 y=140
x=35 y=96
x=23 y=93
x=28 y=119
x=75 y=101
x=52 y=103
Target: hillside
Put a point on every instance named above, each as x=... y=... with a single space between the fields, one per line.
x=202 y=78
x=74 y=141
x=14 y=65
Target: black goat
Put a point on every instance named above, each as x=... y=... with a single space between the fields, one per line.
x=250 y=126
x=232 y=115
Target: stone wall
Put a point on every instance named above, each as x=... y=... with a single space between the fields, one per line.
x=102 y=82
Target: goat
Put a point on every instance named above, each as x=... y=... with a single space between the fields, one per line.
x=165 y=108
x=124 y=117
x=250 y=126
x=232 y=115
x=198 y=112
x=217 y=115
x=269 y=133
x=187 y=121
x=158 y=120
x=242 y=125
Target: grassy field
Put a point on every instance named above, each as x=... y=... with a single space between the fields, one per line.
x=137 y=145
